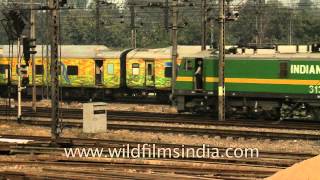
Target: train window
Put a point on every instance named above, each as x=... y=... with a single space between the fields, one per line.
x=283 y=69
x=168 y=69
x=72 y=70
x=39 y=69
x=135 y=69
x=168 y=72
x=110 y=68
x=188 y=65
x=3 y=68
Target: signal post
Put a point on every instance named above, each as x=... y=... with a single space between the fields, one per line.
x=19 y=81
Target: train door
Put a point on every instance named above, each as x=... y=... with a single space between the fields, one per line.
x=98 y=72
x=150 y=73
x=199 y=75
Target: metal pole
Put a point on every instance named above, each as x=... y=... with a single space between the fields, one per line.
x=32 y=36
x=290 y=26
x=174 y=43
x=166 y=15
x=133 y=27
x=204 y=24
x=54 y=70
x=292 y=13
x=256 y=18
x=290 y=30
x=47 y=41
x=221 y=86
x=19 y=80
x=98 y=22
x=212 y=33
x=261 y=3
x=212 y=20
x=10 y=71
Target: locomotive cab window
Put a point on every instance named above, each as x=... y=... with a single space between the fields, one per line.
x=283 y=69
x=135 y=69
x=188 y=65
x=72 y=70
x=110 y=68
x=39 y=69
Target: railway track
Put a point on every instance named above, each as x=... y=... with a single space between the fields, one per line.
x=168 y=118
x=211 y=132
x=68 y=142
x=119 y=120
x=82 y=170
x=268 y=162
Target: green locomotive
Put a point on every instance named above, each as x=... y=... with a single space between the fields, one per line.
x=285 y=86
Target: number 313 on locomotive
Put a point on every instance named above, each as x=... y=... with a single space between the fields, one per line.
x=314 y=89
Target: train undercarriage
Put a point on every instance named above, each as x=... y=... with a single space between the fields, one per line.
x=268 y=108
x=252 y=107
x=94 y=94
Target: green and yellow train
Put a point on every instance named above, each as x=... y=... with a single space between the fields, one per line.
x=97 y=71
x=285 y=86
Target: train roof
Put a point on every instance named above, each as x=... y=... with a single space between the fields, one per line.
x=109 y=53
x=298 y=56
x=184 y=51
x=82 y=51
x=67 y=51
x=160 y=53
x=164 y=53
x=276 y=56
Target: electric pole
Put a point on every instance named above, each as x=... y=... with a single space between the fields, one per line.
x=290 y=30
x=212 y=32
x=133 y=27
x=166 y=15
x=54 y=5
x=259 y=21
x=33 y=36
x=98 y=22
x=290 y=26
x=174 y=36
x=204 y=24
x=261 y=36
x=221 y=86
x=256 y=19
